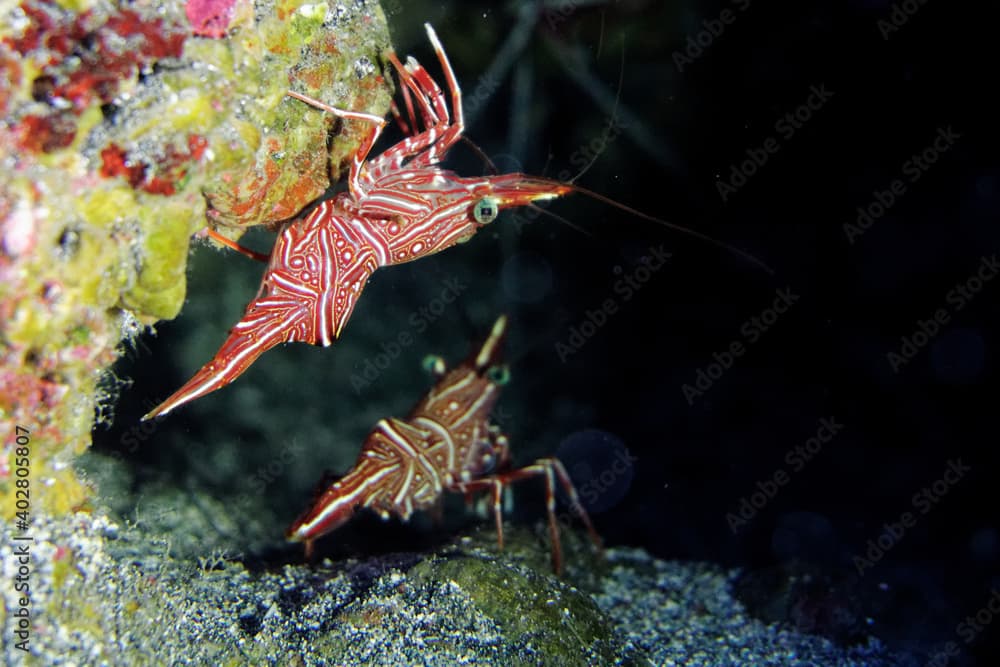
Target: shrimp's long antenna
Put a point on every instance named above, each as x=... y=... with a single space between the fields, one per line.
x=645 y=216
x=670 y=225
x=614 y=114
x=559 y=218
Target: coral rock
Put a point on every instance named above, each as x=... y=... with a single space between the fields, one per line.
x=120 y=121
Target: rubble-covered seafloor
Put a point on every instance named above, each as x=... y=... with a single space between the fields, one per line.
x=112 y=594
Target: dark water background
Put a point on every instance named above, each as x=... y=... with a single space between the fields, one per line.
x=661 y=468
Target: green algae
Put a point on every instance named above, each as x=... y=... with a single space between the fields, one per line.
x=160 y=286
x=532 y=609
x=517 y=589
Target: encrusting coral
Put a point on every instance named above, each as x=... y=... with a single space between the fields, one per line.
x=127 y=127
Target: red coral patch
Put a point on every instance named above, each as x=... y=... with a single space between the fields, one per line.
x=44 y=134
x=82 y=61
x=115 y=163
x=169 y=172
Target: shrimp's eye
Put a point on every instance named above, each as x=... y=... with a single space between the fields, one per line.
x=434 y=365
x=486 y=210
x=498 y=374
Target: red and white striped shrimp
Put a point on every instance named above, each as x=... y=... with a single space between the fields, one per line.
x=445 y=444
x=399 y=206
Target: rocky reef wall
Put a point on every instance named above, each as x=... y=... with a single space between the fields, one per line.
x=127 y=127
